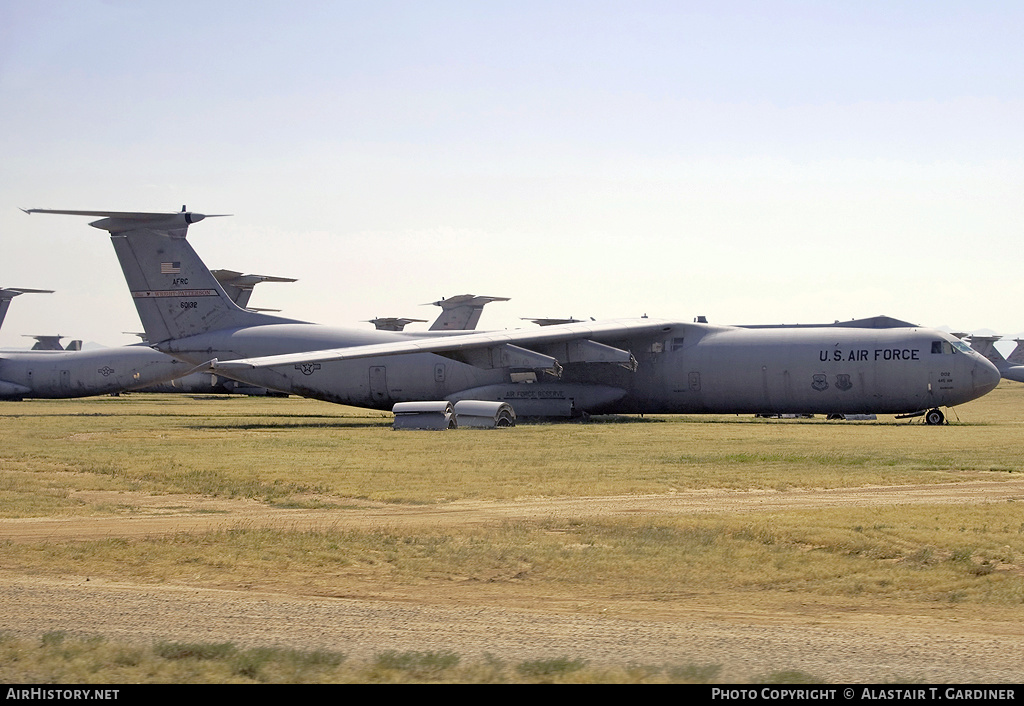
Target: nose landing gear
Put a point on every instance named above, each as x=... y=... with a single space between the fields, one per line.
x=934 y=417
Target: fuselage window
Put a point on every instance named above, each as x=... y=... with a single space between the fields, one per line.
x=677 y=344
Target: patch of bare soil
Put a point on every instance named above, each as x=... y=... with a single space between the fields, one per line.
x=836 y=640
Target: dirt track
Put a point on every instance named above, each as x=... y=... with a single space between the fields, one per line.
x=836 y=640
x=167 y=514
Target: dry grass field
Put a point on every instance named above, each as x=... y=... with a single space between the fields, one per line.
x=174 y=538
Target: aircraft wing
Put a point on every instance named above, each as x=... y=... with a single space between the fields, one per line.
x=517 y=344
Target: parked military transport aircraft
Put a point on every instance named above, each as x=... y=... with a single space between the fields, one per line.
x=77 y=373
x=458 y=313
x=627 y=366
x=985 y=346
x=54 y=372
x=82 y=373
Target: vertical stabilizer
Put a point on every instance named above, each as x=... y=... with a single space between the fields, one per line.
x=462 y=312
x=985 y=345
x=175 y=294
x=1017 y=355
x=6 y=295
x=239 y=286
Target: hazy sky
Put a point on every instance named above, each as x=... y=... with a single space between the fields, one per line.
x=753 y=162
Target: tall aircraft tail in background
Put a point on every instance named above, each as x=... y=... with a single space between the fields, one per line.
x=462 y=312
x=985 y=345
x=176 y=295
x=1017 y=354
x=239 y=286
x=6 y=295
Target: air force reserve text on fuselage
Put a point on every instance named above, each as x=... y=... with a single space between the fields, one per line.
x=931 y=693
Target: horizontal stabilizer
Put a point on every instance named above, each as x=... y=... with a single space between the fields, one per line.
x=11 y=292
x=45 y=343
x=120 y=221
x=6 y=295
x=553 y=322
x=239 y=286
x=393 y=323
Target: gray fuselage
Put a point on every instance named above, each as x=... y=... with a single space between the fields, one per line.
x=102 y=371
x=683 y=368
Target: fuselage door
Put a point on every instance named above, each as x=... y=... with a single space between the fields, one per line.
x=693 y=379
x=379 y=383
x=941 y=374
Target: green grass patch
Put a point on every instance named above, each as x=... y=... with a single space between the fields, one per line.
x=95 y=660
x=279 y=450
x=547 y=669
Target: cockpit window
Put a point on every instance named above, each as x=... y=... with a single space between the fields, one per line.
x=961 y=346
x=943 y=347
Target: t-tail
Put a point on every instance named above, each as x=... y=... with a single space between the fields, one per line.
x=7 y=294
x=1017 y=355
x=1008 y=368
x=462 y=312
x=175 y=293
x=985 y=345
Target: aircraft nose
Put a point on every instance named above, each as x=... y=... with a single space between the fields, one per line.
x=986 y=376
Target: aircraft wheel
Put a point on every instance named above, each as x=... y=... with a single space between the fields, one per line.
x=934 y=417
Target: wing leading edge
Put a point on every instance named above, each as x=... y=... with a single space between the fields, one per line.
x=576 y=339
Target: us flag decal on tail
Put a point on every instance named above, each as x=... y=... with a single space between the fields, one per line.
x=170 y=268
